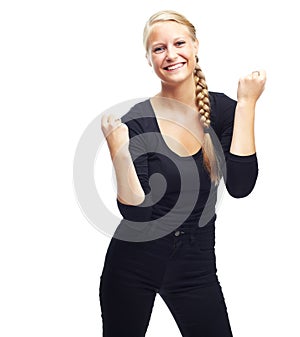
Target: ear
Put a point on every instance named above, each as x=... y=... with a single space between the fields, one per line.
x=148 y=60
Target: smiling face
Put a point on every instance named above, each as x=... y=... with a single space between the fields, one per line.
x=171 y=52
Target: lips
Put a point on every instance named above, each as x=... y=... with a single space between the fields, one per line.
x=175 y=66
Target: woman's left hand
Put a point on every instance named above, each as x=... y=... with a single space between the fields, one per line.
x=251 y=86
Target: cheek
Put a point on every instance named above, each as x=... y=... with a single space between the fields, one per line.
x=190 y=53
x=156 y=62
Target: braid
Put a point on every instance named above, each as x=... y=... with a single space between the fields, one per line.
x=202 y=96
x=203 y=104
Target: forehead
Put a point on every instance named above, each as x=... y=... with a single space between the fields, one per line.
x=167 y=30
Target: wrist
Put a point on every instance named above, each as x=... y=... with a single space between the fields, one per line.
x=246 y=102
x=120 y=155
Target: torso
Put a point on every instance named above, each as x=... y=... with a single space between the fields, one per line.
x=179 y=126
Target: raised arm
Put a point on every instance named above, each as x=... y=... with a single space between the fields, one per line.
x=129 y=189
x=130 y=160
x=249 y=90
x=235 y=126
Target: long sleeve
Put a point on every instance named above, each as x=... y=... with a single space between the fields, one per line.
x=138 y=151
x=241 y=171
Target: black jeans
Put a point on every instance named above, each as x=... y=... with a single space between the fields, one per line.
x=180 y=267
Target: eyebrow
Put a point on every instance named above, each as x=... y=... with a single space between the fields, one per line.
x=158 y=43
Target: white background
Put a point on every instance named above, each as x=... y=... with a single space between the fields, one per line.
x=62 y=64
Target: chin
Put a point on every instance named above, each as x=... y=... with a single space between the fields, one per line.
x=175 y=79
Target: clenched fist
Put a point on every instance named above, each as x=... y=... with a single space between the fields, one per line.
x=251 y=86
x=116 y=134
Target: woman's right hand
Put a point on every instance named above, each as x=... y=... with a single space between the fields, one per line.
x=116 y=134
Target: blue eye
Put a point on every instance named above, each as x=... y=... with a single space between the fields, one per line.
x=180 y=43
x=158 y=50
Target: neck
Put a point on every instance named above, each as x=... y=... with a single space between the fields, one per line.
x=184 y=92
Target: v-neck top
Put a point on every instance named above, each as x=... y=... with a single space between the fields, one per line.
x=178 y=189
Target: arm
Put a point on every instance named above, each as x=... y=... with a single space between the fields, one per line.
x=129 y=189
x=249 y=90
x=131 y=175
x=242 y=167
x=139 y=212
x=235 y=124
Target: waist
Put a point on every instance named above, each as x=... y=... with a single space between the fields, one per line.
x=175 y=219
x=198 y=224
x=147 y=231
x=204 y=236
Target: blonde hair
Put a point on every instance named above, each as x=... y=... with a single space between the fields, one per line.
x=202 y=95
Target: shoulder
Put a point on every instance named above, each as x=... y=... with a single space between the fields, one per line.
x=222 y=109
x=138 y=109
x=140 y=117
x=220 y=101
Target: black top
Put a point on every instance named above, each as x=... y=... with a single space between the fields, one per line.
x=178 y=190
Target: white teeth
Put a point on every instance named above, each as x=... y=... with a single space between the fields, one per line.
x=176 y=66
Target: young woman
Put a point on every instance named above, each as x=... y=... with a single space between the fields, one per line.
x=165 y=243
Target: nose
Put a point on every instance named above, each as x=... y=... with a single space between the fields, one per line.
x=171 y=53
